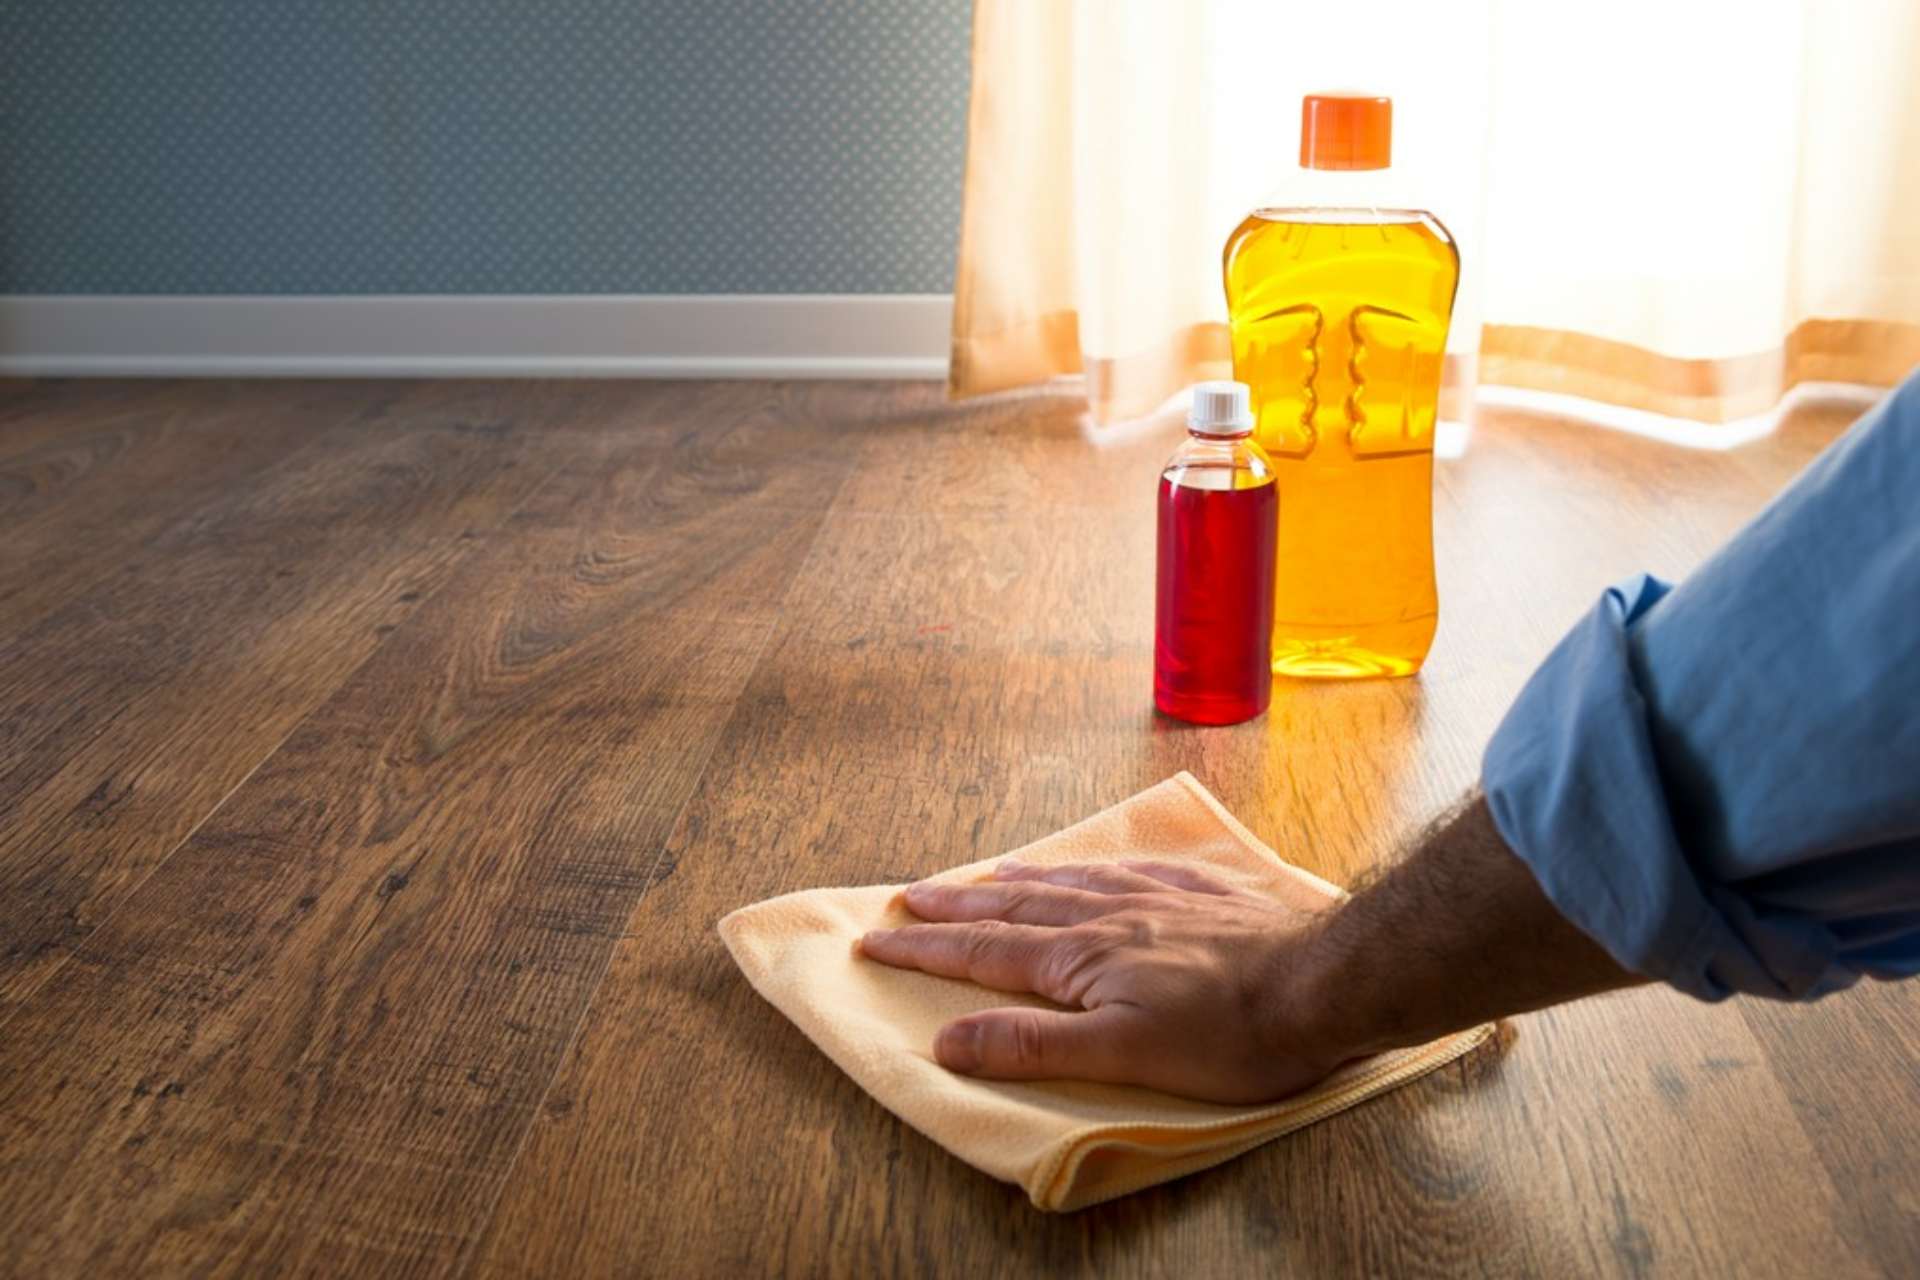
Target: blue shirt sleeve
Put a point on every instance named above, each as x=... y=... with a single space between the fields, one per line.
x=1720 y=782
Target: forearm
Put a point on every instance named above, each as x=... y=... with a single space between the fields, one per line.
x=1715 y=780
x=1456 y=933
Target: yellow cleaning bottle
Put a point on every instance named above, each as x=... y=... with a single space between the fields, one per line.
x=1339 y=299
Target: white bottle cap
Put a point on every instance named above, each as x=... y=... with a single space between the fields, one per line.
x=1220 y=409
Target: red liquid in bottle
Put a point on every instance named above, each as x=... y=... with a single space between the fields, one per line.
x=1213 y=627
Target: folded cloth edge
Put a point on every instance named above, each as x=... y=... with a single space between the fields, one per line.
x=1053 y=1182
x=1051 y=1185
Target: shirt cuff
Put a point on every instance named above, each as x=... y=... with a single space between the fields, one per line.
x=1574 y=787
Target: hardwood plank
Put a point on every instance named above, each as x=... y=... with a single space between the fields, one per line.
x=134 y=709
x=1850 y=1065
x=1008 y=455
x=959 y=673
x=36 y=411
x=330 y=1015
x=53 y=450
x=75 y=507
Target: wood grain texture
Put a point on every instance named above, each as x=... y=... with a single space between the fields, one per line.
x=36 y=410
x=1855 y=1097
x=367 y=811
x=137 y=706
x=77 y=505
x=434 y=917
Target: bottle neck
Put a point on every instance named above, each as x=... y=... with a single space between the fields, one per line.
x=1381 y=191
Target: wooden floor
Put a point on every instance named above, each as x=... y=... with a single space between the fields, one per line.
x=375 y=759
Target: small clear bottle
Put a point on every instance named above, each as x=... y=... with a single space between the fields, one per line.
x=1219 y=518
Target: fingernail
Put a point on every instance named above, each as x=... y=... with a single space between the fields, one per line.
x=1008 y=866
x=959 y=1047
x=872 y=936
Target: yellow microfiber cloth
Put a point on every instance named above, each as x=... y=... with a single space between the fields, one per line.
x=1069 y=1144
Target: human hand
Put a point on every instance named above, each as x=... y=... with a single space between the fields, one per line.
x=1171 y=978
x=1175 y=980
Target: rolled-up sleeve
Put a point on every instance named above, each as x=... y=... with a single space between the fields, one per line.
x=1720 y=781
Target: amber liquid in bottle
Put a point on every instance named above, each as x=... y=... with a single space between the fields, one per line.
x=1339 y=320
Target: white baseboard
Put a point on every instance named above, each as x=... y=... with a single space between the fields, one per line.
x=479 y=335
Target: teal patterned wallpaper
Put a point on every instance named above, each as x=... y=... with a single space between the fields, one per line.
x=481 y=146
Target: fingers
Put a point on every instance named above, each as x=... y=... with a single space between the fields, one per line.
x=1038 y=1044
x=1181 y=876
x=1006 y=957
x=1030 y=902
x=1134 y=876
x=1092 y=877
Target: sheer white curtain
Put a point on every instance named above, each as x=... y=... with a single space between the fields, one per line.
x=1683 y=208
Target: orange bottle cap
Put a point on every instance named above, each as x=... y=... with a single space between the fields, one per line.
x=1345 y=131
